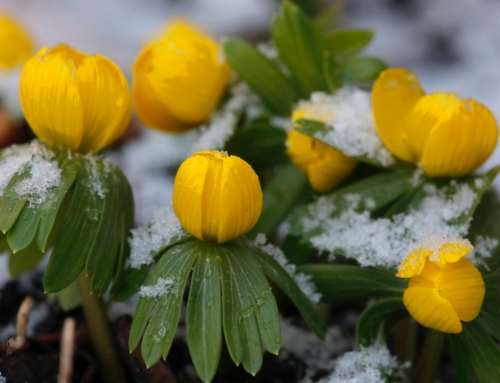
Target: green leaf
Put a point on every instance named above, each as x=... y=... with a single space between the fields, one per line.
x=69 y=297
x=24 y=260
x=165 y=309
x=347 y=42
x=4 y=246
x=261 y=145
x=204 y=315
x=329 y=17
x=11 y=203
x=489 y=317
x=363 y=70
x=370 y=321
x=275 y=272
x=460 y=361
x=482 y=352
x=344 y=283
x=77 y=234
x=311 y=128
x=263 y=76
x=331 y=72
x=300 y=45
x=24 y=229
x=281 y=194
x=132 y=280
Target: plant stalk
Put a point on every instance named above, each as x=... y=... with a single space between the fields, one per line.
x=105 y=347
x=430 y=356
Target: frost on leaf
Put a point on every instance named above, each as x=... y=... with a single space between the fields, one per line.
x=147 y=240
x=303 y=280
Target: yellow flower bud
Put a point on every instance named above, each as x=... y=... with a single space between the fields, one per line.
x=444 y=287
x=15 y=44
x=179 y=79
x=217 y=197
x=449 y=135
x=324 y=166
x=74 y=101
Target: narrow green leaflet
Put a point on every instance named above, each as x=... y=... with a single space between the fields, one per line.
x=163 y=302
x=347 y=42
x=329 y=17
x=22 y=233
x=77 y=234
x=342 y=282
x=458 y=351
x=285 y=282
x=24 y=260
x=370 y=321
x=363 y=70
x=11 y=203
x=311 y=128
x=300 y=45
x=204 y=315
x=489 y=316
x=482 y=352
x=281 y=194
x=264 y=76
x=261 y=145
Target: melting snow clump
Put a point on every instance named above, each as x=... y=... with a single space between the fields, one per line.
x=146 y=240
x=160 y=289
x=350 y=125
x=483 y=247
x=387 y=241
x=303 y=281
x=370 y=365
x=96 y=182
x=223 y=122
x=44 y=171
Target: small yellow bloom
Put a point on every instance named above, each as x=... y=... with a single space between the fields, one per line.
x=74 y=101
x=217 y=197
x=179 y=79
x=15 y=44
x=449 y=135
x=444 y=287
x=324 y=166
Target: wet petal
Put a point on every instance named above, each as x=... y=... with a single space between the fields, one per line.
x=394 y=94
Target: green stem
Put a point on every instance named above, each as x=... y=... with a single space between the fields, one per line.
x=430 y=356
x=105 y=347
x=405 y=340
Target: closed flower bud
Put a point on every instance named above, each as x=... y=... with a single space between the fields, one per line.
x=217 y=197
x=444 y=287
x=323 y=165
x=449 y=135
x=179 y=79
x=74 y=101
x=15 y=44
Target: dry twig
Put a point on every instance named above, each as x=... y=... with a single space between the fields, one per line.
x=67 y=351
x=23 y=316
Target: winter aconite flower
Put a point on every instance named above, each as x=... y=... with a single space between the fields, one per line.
x=444 y=287
x=15 y=44
x=449 y=135
x=74 y=101
x=179 y=79
x=323 y=165
x=217 y=197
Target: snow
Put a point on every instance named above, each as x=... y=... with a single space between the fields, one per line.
x=44 y=172
x=160 y=289
x=483 y=247
x=369 y=365
x=147 y=240
x=3 y=379
x=387 y=241
x=303 y=280
x=348 y=117
x=223 y=122
x=95 y=178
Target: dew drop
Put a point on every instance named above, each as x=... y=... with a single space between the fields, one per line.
x=210 y=304
x=209 y=273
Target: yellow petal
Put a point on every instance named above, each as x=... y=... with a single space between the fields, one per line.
x=394 y=94
x=324 y=166
x=461 y=140
x=452 y=252
x=188 y=74
x=427 y=276
x=107 y=103
x=462 y=285
x=151 y=111
x=414 y=263
x=431 y=310
x=15 y=44
x=50 y=99
x=217 y=197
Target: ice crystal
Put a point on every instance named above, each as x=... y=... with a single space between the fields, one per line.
x=160 y=289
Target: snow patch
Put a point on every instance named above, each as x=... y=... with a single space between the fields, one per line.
x=483 y=247
x=160 y=289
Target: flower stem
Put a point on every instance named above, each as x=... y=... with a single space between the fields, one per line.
x=430 y=356
x=105 y=347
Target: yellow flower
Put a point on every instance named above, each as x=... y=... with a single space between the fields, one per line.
x=449 y=135
x=444 y=287
x=15 y=44
x=179 y=79
x=74 y=101
x=324 y=166
x=217 y=197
